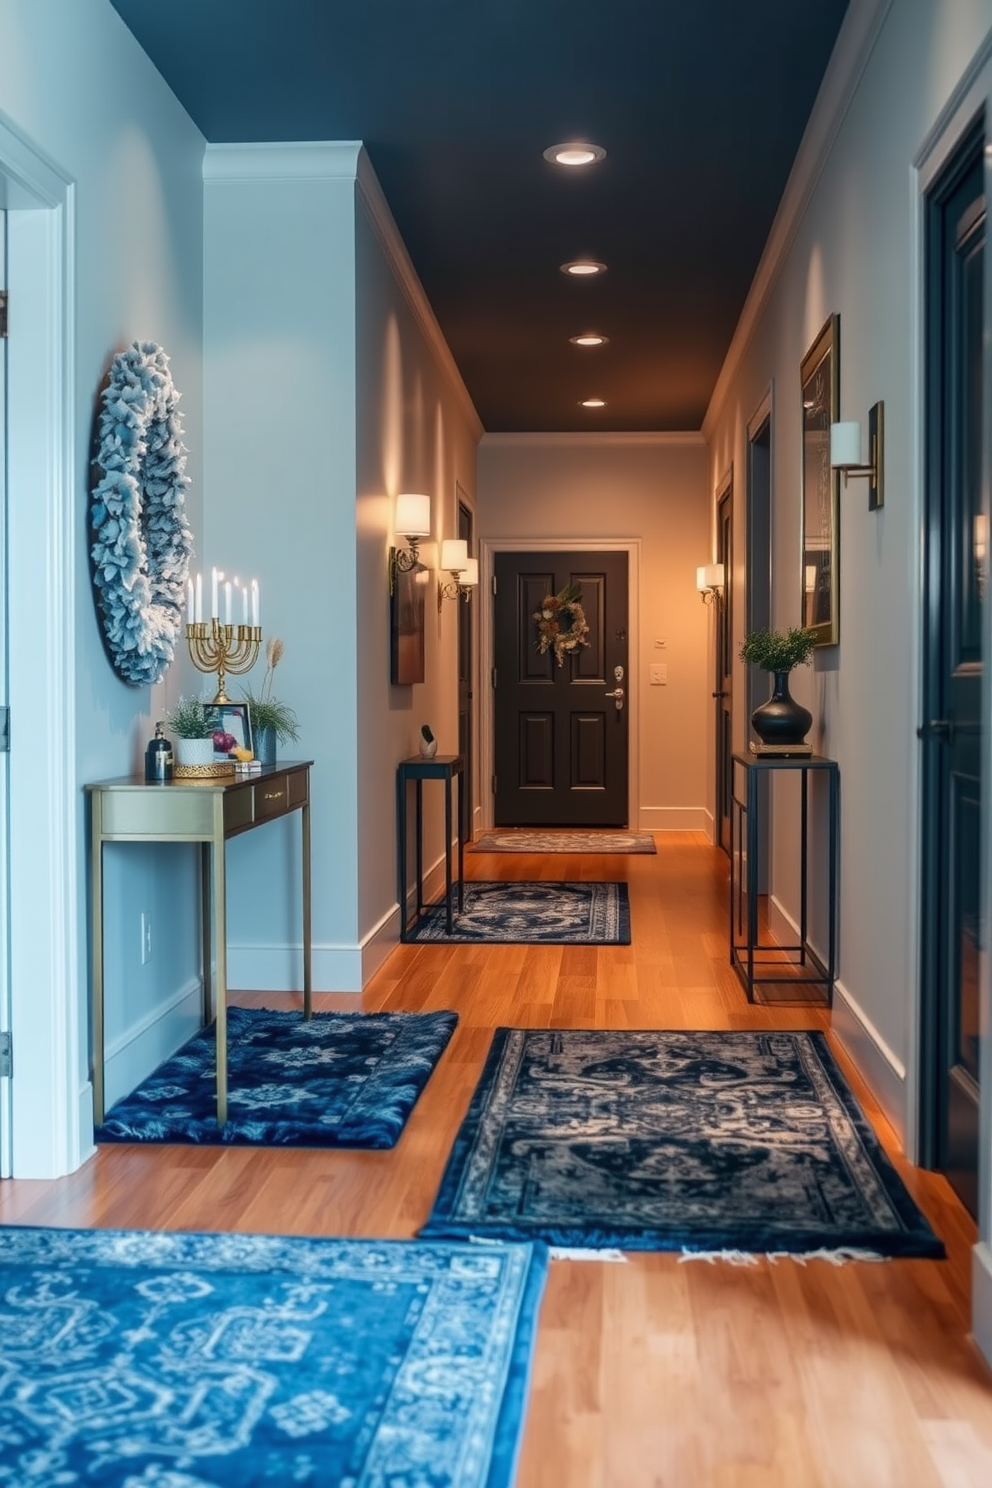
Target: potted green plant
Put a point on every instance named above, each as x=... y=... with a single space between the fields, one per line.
x=781 y=722
x=189 y=722
x=272 y=722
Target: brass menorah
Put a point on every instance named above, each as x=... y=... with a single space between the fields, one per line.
x=224 y=649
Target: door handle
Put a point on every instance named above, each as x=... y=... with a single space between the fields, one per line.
x=617 y=696
x=936 y=728
x=719 y=694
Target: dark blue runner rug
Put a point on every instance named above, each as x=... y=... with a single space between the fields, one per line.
x=153 y=1360
x=748 y=1142
x=339 y=1080
x=542 y=912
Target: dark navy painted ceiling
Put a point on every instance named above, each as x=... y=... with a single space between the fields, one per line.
x=700 y=105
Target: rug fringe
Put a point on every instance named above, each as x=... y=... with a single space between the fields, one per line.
x=575 y=1253
x=837 y=1257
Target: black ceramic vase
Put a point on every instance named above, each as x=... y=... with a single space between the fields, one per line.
x=781 y=720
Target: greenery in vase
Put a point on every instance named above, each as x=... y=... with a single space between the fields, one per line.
x=188 y=719
x=265 y=711
x=779 y=650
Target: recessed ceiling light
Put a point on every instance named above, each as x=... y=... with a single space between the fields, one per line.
x=593 y=402
x=575 y=153
x=589 y=338
x=583 y=268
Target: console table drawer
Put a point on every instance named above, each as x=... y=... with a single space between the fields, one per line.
x=271 y=798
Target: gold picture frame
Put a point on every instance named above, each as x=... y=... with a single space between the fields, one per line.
x=819 y=486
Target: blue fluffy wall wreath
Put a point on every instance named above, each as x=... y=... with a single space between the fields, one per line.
x=143 y=542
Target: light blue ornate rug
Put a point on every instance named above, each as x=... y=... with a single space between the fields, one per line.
x=157 y=1360
x=742 y=1142
x=523 y=912
x=339 y=1080
x=561 y=840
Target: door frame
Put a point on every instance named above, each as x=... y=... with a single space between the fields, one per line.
x=50 y=1093
x=972 y=95
x=488 y=548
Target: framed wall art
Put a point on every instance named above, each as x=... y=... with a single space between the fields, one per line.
x=820 y=486
x=406 y=629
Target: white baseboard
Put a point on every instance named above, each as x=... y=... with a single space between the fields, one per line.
x=674 y=819
x=139 y=1051
x=879 y=1066
x=981 y=1297
x=84 y=1118
x=279 y=968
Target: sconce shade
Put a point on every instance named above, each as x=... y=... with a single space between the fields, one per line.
x=709 y=576
x=413 y=515
x=845 y=445
x=469 y=576
x=454 y=554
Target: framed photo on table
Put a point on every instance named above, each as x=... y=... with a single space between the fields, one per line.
x=820 y=486
x=233 y=719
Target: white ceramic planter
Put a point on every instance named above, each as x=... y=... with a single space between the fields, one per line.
x=195 y=751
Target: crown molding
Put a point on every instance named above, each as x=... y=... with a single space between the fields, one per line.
x=344 y=160
x=316 y=160
x=856 y=40
x=383 y=224
x=640 y=439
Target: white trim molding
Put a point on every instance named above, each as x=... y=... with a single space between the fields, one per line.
x=488 y=548
x=981 y=1298
x=48 y=987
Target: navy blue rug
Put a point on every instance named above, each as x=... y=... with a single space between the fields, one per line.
x=339 y=1080
x=525 y=913
x=156 y=1360
x=746 y=1142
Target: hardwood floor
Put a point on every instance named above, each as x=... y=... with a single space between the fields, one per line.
x=649 y=1373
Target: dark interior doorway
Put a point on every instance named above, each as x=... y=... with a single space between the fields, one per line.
x=466 y=663
x=955 y=577
x=757 y=594
x=724 y=693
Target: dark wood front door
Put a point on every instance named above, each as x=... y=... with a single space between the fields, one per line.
x=560 y=737
x=956 y=537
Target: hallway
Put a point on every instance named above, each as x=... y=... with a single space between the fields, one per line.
x=649 y=1372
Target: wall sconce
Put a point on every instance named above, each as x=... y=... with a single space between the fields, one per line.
x=845 y=453
x=709 y=581
x=413 y=521
x=464 y=572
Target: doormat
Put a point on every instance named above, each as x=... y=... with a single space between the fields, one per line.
x=339 y=1080
x=525 y=913
x=135 y=1359
x=704 y=1142
x=521 y=840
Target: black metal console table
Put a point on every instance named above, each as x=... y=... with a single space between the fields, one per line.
x=790 y=967
x=445 y=767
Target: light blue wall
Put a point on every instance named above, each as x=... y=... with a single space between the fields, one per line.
x=74 y=83
x=279 y=359
x=417 y=431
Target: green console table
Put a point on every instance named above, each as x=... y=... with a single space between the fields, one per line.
x=209 y=812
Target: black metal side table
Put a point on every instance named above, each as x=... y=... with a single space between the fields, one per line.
x=445 y=767
x=748 y=957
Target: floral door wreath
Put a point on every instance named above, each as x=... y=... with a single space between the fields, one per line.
x=561 y=622
x=143 y=542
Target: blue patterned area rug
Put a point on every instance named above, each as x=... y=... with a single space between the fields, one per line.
x=339 y=1080
x=523 y=840
x=703 y=1142
x=525 y=913
x=156 y=1360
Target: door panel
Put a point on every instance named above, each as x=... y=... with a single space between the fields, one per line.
x=956 y=534
x=560 y=742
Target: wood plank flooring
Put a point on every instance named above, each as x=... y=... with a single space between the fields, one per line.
x=650 y=1373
